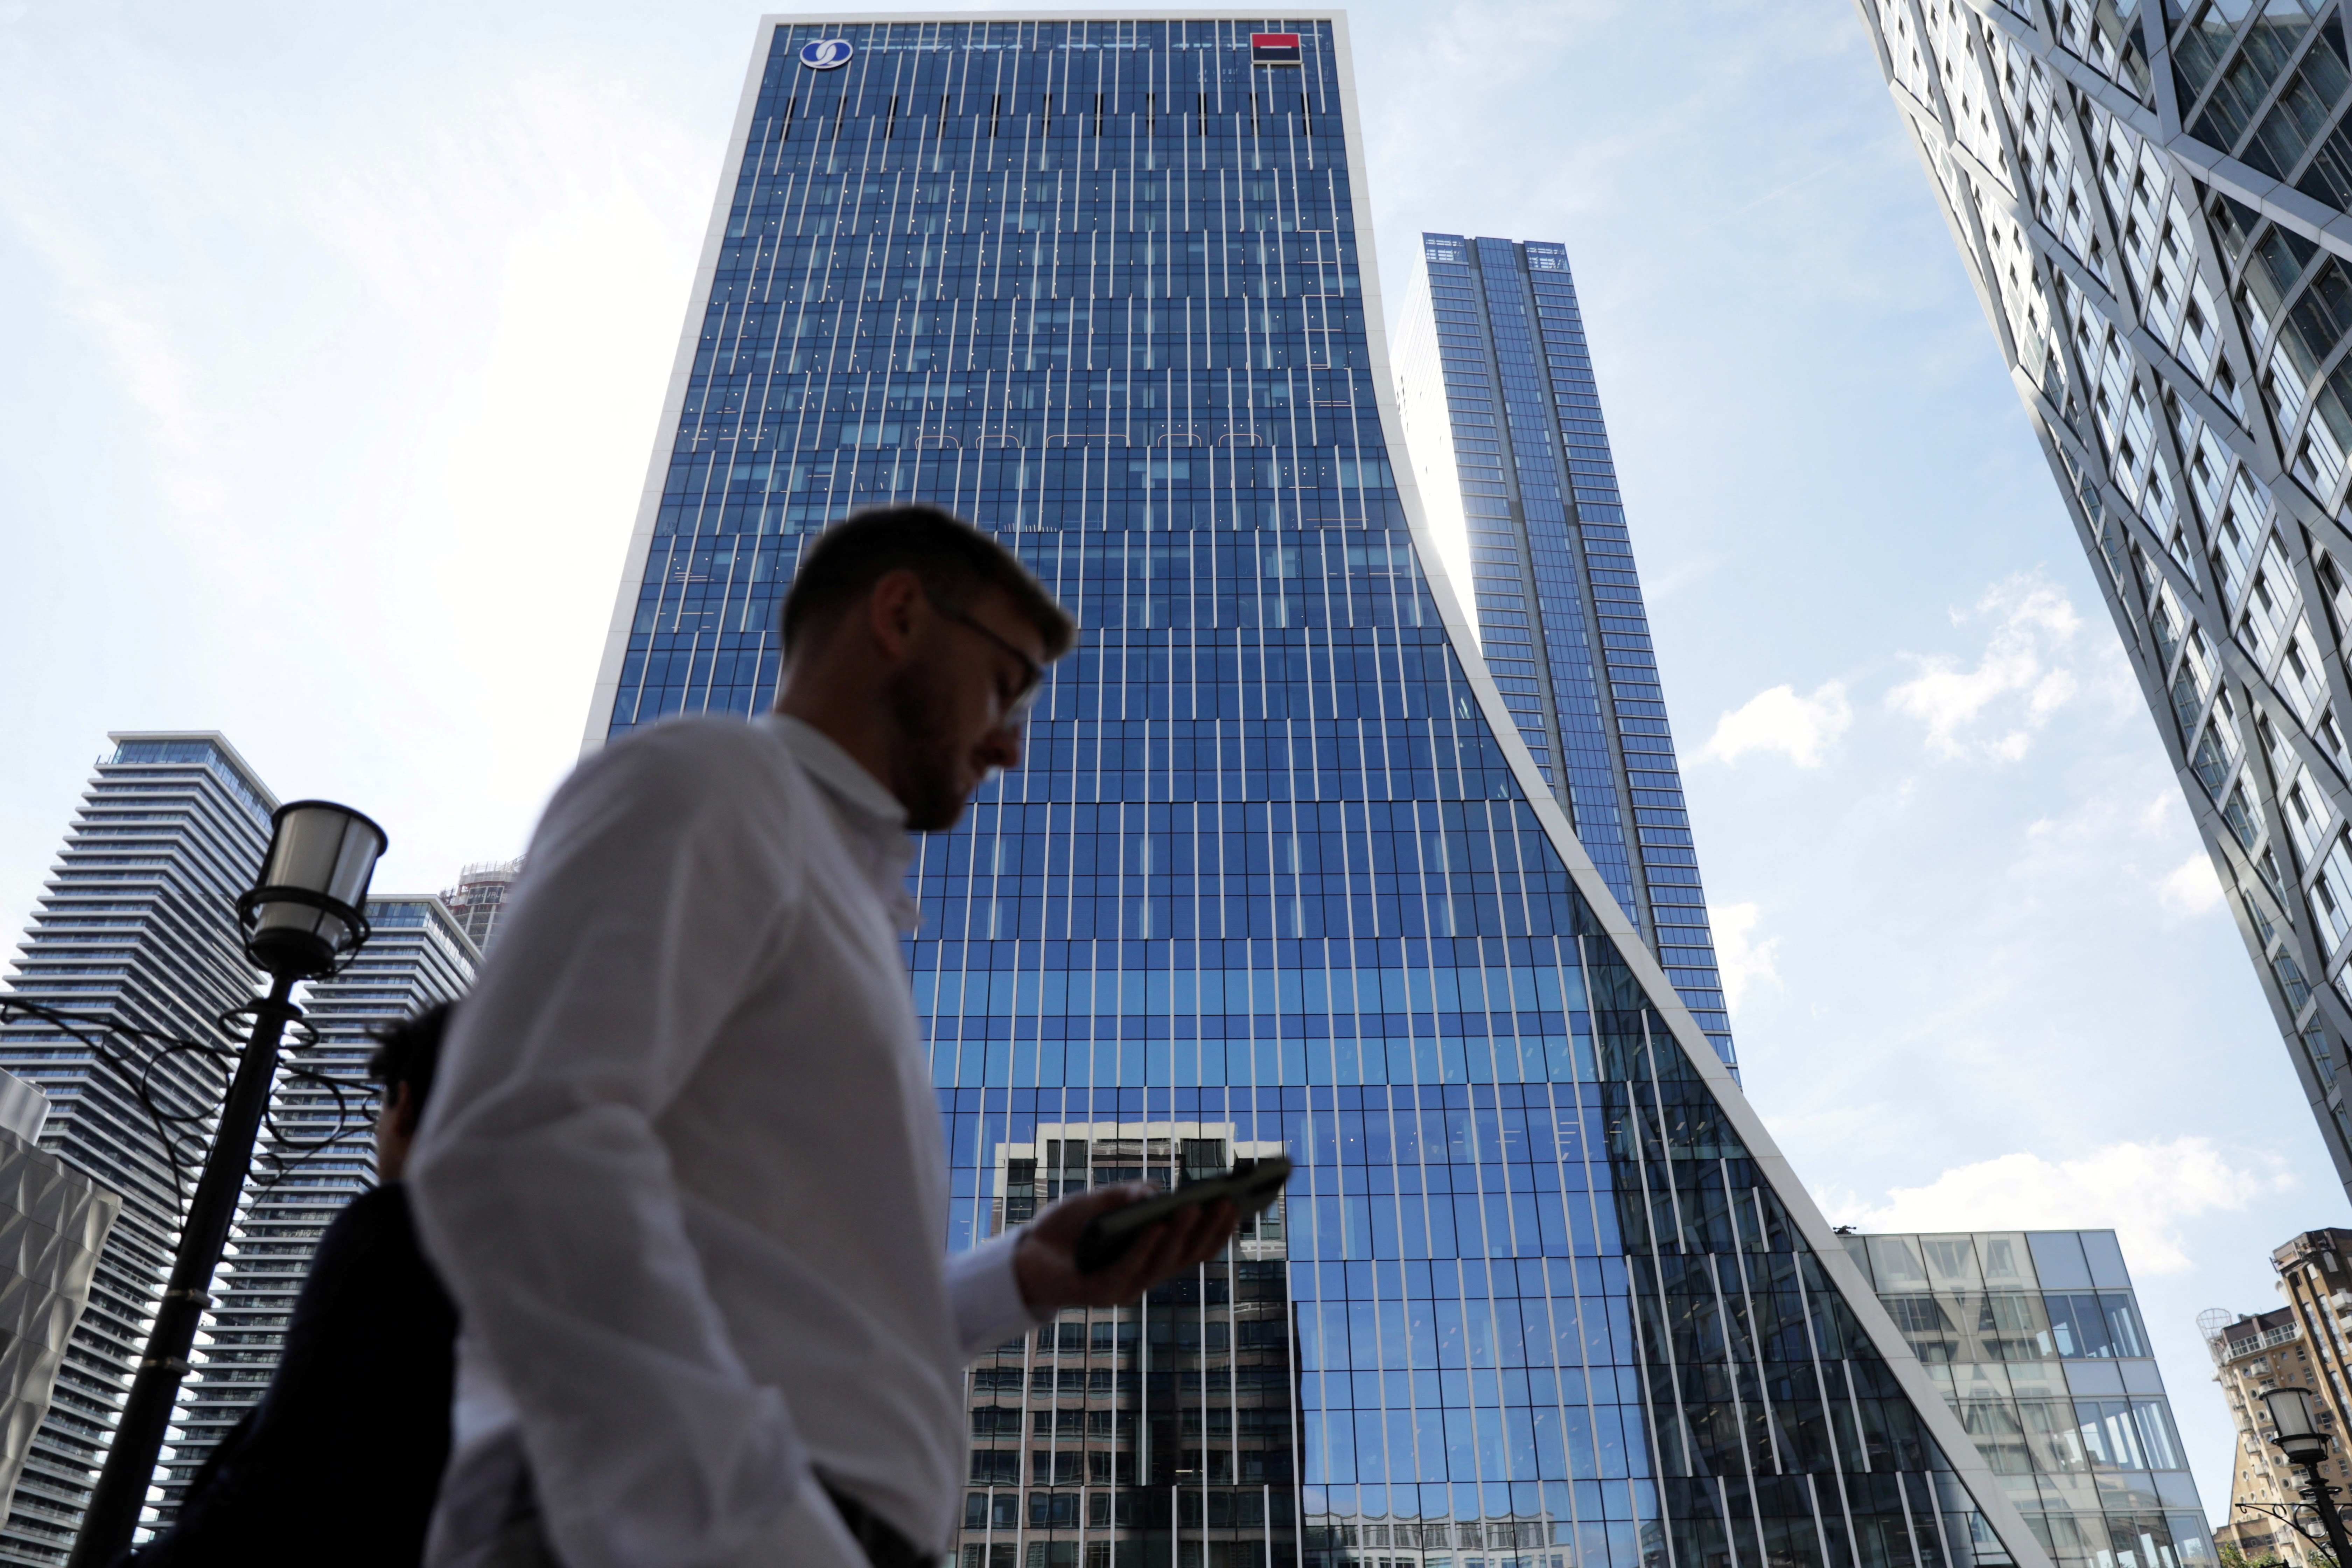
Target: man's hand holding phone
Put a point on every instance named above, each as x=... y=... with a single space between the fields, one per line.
x=1045 y=1262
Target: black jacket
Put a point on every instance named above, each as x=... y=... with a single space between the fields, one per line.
x=340 y=1460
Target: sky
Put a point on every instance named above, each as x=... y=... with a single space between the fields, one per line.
x=335 y=338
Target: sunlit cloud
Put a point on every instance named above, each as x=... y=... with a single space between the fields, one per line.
x=2190 y=888
x=1740 y=958
x=1990 y=711
x=1799 y=728
x=2142 y=1190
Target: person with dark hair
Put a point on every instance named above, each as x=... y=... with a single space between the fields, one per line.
x=937 y=564
x=338 y=1459
x=686 y=1176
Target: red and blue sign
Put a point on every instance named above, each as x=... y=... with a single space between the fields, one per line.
x=1273 y=48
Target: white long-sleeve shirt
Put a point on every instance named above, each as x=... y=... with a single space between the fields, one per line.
x=683 y=1171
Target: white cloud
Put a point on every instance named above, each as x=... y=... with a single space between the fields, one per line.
x=2142 y=1190
x=1739 y=958
x=1992 y=711
x=1780 y=720
x=2190 y=888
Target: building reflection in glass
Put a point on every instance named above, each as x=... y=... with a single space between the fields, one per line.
x=1158 y=1436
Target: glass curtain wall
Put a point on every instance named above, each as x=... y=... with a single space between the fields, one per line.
x=1496 y=390
x=1273 y=874
x=2036 y=1340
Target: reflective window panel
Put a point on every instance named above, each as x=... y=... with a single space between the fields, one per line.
x=2036 y=1340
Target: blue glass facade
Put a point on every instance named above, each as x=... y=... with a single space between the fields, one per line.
x=1497 y=396
x=1280 y=870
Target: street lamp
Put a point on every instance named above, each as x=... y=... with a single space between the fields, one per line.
x=2296 y=1433
x=303 y=916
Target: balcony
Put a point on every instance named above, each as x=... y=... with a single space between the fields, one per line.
x=2235 y=1349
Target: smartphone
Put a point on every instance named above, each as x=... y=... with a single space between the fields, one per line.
x=1251 y=1186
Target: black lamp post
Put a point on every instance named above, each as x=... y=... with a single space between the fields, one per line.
x=2298 y=1437
x=303 y=917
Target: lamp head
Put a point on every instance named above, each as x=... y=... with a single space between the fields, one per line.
x=306 y=910
x=2295 y=1426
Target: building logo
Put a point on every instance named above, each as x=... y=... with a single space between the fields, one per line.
x=825 y=54
x=1273 y=48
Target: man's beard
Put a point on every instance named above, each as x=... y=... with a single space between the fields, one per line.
x=925 y=770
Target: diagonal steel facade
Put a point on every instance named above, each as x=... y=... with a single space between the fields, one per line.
x=2152 y=204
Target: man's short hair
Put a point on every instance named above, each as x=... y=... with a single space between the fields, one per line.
x=409 y=1052
x=954 y=559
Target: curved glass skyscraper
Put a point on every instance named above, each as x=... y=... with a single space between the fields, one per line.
x=1281 y=871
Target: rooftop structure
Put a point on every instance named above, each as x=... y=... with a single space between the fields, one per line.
x=480 y=898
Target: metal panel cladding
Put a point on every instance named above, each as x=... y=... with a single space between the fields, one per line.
x=2152 y=204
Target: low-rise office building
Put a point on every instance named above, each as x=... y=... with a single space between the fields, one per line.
x=2036 y=1340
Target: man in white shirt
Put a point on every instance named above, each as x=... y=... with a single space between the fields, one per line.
x=684 y=1173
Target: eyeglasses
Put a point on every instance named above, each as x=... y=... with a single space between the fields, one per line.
x=1033 y=674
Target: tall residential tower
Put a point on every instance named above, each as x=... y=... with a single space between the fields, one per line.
x=1494 y=386
x=479 y=898
x=1281 y=870
x=2155 y=204
x=316 y=1154
x=135 y=922
x=138 y=924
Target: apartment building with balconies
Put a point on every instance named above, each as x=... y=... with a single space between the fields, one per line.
x=2302 y=1344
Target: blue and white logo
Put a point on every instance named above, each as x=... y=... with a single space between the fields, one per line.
x=825 y=54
